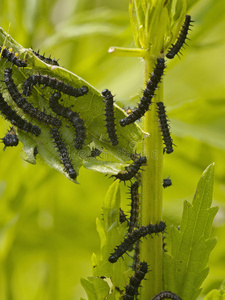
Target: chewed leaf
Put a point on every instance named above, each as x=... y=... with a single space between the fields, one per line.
x=90 y=107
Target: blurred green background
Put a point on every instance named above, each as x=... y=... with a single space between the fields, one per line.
x=47 y=223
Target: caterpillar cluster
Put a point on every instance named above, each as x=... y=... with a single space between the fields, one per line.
x=12 y=57
x=72 y=116
x=148 y=94
x=27 y=107
x=35 y=114
x=175 y=49
x=134 y=232
x=47 y=60
x=135 y=281
x=10 y=139
x=135 y=236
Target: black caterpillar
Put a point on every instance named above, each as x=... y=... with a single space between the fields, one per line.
x=123 y=217
x=136 y=257
x=167 y=182
x=10 y=139
x=134 y=237
x=131 y=170
x=16 y=120
x=12 y=57
x=54 y=83
x=72 y=116
x=135 y=281
x=110 y=119
x=148 y=94
x=166 y=295
x=47 y=60
x=175 y=49
x=64 y=155
x=134 y=212
x=26 y=106
x=163 y=120
x=95 y=152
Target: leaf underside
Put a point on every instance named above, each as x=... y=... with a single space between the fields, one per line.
x=90 y=107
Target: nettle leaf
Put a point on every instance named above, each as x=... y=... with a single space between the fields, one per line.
x=96 y=288
x=216 y=294
x=90 y=108
x=185 y=267
x=147 y=26
x=176 y=19
x=191 y=3
x=111 y=233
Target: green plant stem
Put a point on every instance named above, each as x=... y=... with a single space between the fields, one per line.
x=151 y=205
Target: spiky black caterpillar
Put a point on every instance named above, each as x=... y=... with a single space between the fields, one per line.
x=164 y=125
x=10 y=139
x=12 y=57
x=27 y=107
x=72 y=116
x=175 y=49
x=131 y=170
x=47 y=60
x=134 y=212
x=148 y=94
x=64 y=155
x=135 y=281
x=53 y=83
x=123 y=217
x=16 y=120
x=135 y=236
x=167 y=182
x=109 y=114
x=166 y=295
x=95 y=152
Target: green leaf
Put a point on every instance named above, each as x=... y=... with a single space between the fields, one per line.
x=191 y=245
x=214 y=295
x=217 y=294
x=96 y=288
x=91 y=109
x=111 y=233
x=191 y=3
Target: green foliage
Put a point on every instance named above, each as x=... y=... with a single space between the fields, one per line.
x=111 y=233
x=96 y=288
x=216 y=294
x=185 y=268
x=50 y=248
x=155 y=24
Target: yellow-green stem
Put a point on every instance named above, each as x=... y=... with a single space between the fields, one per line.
x=151 y=205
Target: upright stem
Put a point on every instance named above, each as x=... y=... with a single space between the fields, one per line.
x=151 y=205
